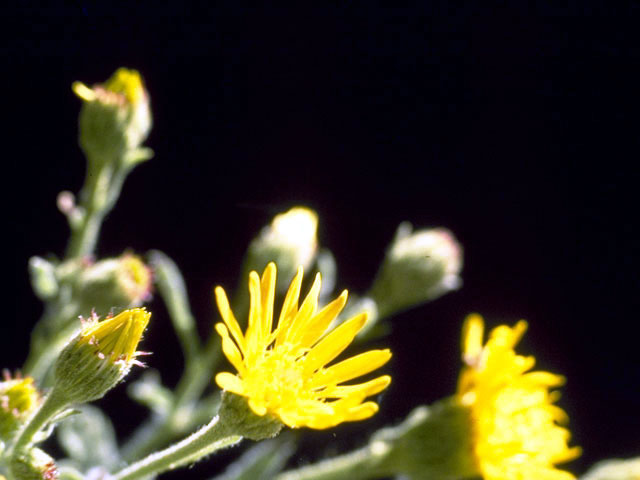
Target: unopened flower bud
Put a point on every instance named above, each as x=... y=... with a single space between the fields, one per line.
x=615 y=469
x=289 y=241
x=18 y=399
x=99 y=356
x=418 y=267
x=115 y=116
x=433 y=442
x=43 y=278
x=121 y=282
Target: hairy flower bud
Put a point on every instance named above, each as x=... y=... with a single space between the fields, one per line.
x=115 y=116
x=43 y=278
x=121 y=282
x=99 y=356
x=433 y=442
x=615 y=469
x=418 y=267
x=289 y=241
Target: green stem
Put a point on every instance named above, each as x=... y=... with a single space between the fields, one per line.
x=352 y=466
x=100 y=192
x=84 y=240
x=199 y=372
x=84 y=236
x=160 y=430
x=205 y=441
x=52 y=405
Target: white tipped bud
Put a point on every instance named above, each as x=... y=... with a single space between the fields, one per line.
x=289 y=241
x=615 y=469
x=418 y=267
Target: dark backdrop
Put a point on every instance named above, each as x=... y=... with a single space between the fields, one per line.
x=514 y=127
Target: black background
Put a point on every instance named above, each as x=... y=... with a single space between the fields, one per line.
x=514 y=127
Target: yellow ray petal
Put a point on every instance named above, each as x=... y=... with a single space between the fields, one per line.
x=351 y=368
x=229 y=348
x=267 y=295
x=289 y=307
x=230 y=383
x=252 y=335
x=546 y=379
x=229 y=318
x=472 y=334
x=320 y=322
x=120 y=346
x=361 y=412
x=306 y=311
x=334 y=343
x=84 y=92
x=257 y=406
x=361 y=390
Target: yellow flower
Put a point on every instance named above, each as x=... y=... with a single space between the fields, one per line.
x=18 y=395
x=128 y=83
x=284 y=372
x=124 y=82
x=116 y=338
x=135 y=278
x=99 y=356
x=18 y=399
x=515 y=424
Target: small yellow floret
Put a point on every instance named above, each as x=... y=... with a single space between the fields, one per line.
x=135 y=277
x=283 y=371
x=18 y=396
x=117 y=338
x=128 y=83
x=515 y=424
x=124 y=82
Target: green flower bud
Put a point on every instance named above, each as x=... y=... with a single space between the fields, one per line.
x=43 y=278
x=418 y=267
x=34 y=465
x=99 y=356
x=433 y=442
x=615 y=469
x=115 y=116
x=18 y=399
x=121 y=282
x=289 y=241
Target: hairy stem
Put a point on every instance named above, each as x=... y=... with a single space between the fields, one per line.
x=210 y=438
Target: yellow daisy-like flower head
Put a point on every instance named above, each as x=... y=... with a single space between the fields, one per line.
x=283 y=371
x=515 y=423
